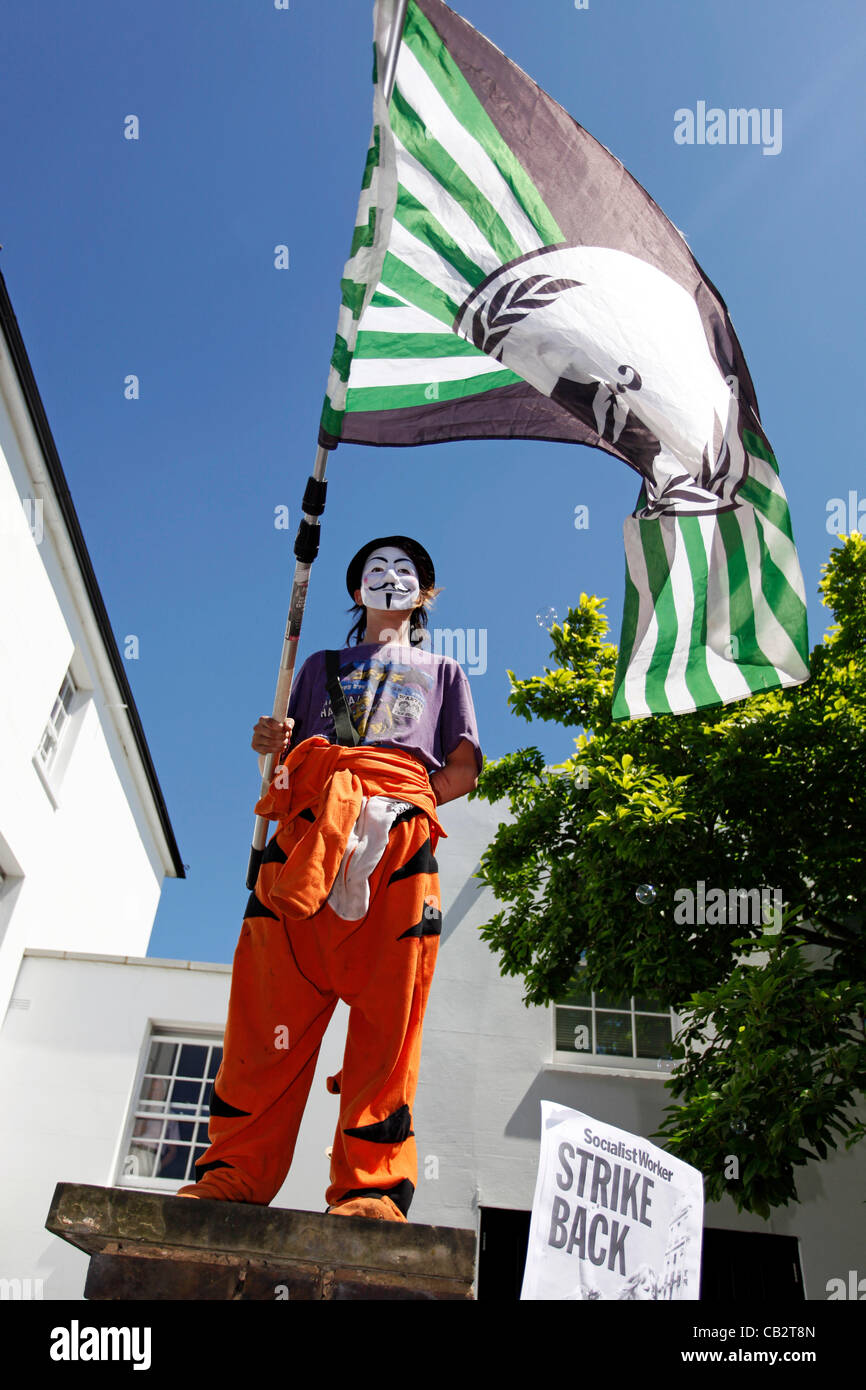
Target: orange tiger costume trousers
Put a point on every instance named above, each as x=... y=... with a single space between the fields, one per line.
x=296 y=957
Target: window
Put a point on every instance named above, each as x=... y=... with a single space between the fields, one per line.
x=59 y=717
x=631 y=1031
x=167 y=1130
x=68 y=715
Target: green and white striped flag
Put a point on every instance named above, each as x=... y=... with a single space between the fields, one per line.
x=510 y=279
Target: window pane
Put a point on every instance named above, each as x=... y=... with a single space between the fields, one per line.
x=173 y=1160
x=577 y=994
x=611 y=1001
x=147 y=1129
x=154 y=1091
x=647 y=1005
x=613 y=1034
x=216 y=1056
x=161 y=1059
x=47 y=746
x=192 y=1061
x=653 y=1036
x=140 y=1161
x=185 y=1096
x=573 y=1030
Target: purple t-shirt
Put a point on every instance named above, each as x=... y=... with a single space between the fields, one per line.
x=398 y=697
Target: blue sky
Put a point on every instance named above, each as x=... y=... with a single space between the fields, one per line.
x=156 y=257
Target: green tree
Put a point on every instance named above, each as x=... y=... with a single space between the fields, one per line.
x=767 y=792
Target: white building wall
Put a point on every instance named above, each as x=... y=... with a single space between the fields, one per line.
x=78 y=848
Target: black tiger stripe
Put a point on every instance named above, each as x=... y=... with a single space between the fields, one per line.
x=206 y=1167
x=255 y=908
x=274 y=854
x=422 y=862
x=429 y=925
x=221 y=1107
x=401 y=1195
x=394 y=1129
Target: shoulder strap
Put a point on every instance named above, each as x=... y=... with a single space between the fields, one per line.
x=346 y=732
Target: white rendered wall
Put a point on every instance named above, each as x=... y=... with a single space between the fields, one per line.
x=82 y=850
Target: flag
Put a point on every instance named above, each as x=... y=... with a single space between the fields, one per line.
x=508 y=278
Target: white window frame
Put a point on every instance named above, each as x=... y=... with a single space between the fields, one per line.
x=57 y=720
x=155 y=1109
x=658 y=1068
x=54 y=750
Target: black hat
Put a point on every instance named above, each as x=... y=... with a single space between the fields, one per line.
x=417 y=554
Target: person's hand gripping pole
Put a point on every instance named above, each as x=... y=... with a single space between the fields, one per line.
x=271 y=736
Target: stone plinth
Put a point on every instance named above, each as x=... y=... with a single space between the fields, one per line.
x=144 y=1245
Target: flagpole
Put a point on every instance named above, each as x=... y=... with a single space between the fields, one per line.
x=389 y=67
x=306 y=550
x=307 y=539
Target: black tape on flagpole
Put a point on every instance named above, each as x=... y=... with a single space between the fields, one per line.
x=306 y=550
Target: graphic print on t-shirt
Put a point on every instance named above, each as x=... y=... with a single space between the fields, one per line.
x=383 y=698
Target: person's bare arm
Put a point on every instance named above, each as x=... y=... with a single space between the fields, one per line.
x=458 y=776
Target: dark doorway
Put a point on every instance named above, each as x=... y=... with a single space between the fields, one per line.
x=750 y=1267
x=503 y=1238
x=736 y=1266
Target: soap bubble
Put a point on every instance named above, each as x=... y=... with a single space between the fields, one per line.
x=646 y=893
x=738 y=1126
x=546 y=617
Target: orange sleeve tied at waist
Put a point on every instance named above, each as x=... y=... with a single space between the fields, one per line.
x=331 y=780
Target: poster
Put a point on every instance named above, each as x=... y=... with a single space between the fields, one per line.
x=613 y=1217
